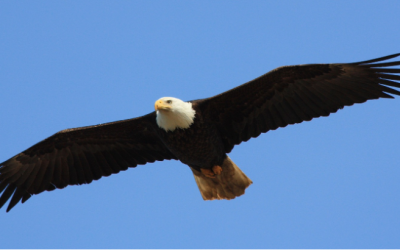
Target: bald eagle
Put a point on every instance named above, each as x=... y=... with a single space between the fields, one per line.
x=199 y=133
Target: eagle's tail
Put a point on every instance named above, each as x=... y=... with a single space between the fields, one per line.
x=229 y=184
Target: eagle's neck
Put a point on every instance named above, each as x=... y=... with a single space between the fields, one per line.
x=180 y=116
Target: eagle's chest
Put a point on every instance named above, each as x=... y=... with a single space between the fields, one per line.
x=197 y=146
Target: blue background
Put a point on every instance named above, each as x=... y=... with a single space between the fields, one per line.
x=330 y=183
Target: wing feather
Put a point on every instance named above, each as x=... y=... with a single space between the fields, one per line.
x=26 y=196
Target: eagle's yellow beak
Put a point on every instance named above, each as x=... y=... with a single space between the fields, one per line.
x=161 y=105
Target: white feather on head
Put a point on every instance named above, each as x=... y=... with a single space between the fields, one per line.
x=173 y=113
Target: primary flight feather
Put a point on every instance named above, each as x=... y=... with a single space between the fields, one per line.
x=199 y=133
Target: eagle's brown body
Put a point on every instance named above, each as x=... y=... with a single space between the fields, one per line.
x=286 y=95
x=199 y=147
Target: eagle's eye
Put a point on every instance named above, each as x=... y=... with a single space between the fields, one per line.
x=169 y=101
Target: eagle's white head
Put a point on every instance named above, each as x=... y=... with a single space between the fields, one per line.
x=173 y=113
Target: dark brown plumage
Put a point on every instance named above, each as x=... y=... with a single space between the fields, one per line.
x=286 y=95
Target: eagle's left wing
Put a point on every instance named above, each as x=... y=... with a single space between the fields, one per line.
x=293 y=94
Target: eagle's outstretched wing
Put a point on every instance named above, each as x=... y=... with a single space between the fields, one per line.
x=78 y=156
x=292 y=94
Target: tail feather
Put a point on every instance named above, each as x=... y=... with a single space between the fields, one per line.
x=230 y=184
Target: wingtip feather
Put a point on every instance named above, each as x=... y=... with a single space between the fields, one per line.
x=377 y=59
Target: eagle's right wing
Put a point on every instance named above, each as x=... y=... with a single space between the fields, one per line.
x=80 y=155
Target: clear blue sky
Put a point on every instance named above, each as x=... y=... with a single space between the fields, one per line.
x=330 y=183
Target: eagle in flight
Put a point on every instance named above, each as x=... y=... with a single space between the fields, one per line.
x=199 y=133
